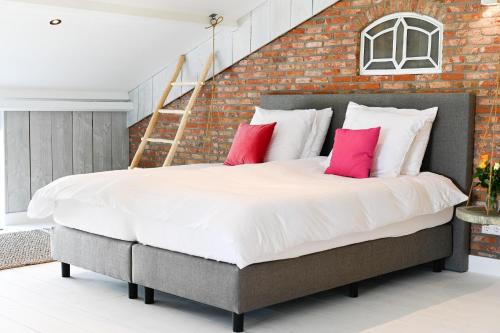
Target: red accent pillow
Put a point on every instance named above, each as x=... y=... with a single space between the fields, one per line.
x=250 y=144
x=353 y=152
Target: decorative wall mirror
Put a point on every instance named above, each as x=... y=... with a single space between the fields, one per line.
x=402 y=43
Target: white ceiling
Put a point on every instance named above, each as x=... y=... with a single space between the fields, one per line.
x=232 y=9
x=98 y=47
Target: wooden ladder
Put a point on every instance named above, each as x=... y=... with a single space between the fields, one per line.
x=174 y=144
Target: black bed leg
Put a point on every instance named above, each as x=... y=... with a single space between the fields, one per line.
x=65 y=270
x=438 y=265
x=238 y=320
x=149 y=295
x=353 y=290
x=132 y=290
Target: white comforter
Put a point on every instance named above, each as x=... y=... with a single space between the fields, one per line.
x=249 y=213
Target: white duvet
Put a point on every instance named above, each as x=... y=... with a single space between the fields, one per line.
x=250 y=213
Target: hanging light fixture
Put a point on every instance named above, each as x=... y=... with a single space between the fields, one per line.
x=215 y=20
x=55 y=21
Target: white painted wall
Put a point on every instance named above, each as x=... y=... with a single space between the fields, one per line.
x=101 y=45
x=484 y=265
x=111 y=51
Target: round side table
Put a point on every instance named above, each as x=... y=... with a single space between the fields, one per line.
x=477 y=215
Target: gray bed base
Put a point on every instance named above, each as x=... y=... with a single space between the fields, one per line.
x=256 y=286
x=104 y=255
x=241 y=290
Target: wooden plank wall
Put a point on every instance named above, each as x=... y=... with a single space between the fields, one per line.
x=17 y=161
x=43 y=146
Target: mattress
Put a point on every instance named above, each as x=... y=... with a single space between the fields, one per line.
x=247 y=214
x=114 y=224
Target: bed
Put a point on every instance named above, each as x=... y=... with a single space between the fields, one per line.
x=249 y=282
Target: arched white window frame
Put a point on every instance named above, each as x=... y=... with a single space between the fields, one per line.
x=398 y=67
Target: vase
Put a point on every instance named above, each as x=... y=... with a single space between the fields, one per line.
x=493 y=202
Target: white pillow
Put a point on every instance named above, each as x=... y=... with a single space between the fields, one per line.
x=316 y=139
x=290 y=134
x=397 y=134
x=413 y=161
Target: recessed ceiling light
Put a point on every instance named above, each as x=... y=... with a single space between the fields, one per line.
x=55 y=22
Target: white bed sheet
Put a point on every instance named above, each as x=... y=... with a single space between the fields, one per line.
x=111 y=223
x=246 y=214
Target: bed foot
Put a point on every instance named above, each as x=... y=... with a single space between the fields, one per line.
x=132 y=290
x=353 y=290
x=149 y=295
x=438 y=265
x=65 y=270
x=238 y=320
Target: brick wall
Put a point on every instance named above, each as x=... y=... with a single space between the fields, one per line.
x=321 y=56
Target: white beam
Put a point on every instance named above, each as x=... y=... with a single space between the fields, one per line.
x=58 y=105
x=9 y=93
x=127 y=10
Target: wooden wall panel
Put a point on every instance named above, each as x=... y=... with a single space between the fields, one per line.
x=43 y=146
x=62 y=144
x=223 y=51
x=119 y=141
x=145 y=105
x=319 y=5
x=82 y=142
x=40 y=132
x=195 y=60
x=133 y=116
x=301 y=11
x=261 y=32
x=17 y=157
x=280 y=14
x=160 y=81
x=101 y=141
x=241 y=38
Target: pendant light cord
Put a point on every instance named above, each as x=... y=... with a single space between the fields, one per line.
x=215 y=20
x=492 y=117
x=492 y=120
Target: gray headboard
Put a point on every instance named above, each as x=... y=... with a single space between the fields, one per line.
x=450 y=150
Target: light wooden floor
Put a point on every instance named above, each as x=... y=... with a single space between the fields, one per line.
x=36 y=299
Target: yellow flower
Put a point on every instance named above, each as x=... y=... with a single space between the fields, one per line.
x=497 y=166
x=484 y=161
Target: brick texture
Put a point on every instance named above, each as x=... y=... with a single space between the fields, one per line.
x=321 y=56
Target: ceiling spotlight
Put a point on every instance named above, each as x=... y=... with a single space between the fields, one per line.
x=55 y=22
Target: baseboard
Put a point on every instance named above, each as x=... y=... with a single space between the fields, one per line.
x=484 y=265
x=22 y=218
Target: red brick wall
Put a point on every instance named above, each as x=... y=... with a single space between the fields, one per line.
x=321 y=56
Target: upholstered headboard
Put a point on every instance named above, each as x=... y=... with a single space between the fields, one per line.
x=450 y=150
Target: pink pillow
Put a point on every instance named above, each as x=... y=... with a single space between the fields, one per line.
x=250 y=144
x=353 y=152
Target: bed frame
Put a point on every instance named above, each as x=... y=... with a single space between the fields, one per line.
x=242 y=290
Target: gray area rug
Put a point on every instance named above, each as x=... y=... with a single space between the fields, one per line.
x=24 y=248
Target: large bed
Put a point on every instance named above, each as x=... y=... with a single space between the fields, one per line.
x=244 y=255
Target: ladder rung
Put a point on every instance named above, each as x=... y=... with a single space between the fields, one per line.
x=159 y=140
x=187 y=83
x=184 y=113
x=167 y=111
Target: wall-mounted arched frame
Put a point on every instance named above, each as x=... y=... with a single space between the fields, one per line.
x=402 y=43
